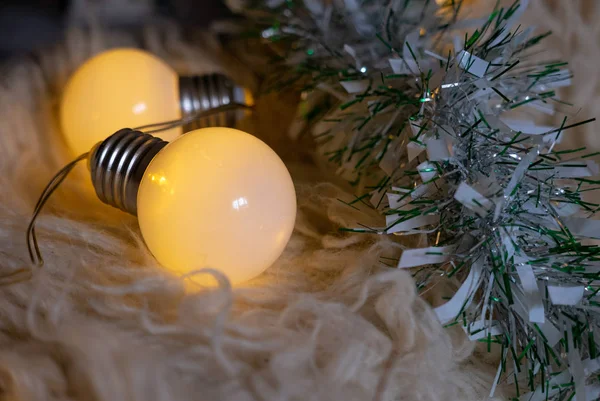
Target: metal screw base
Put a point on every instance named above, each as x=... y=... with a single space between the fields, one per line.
x=117 y=166
x=205 y=92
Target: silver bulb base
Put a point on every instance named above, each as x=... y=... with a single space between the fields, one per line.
x=117 y=166
x=205 y=92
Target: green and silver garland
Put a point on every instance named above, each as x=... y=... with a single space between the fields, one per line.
x=431 y=116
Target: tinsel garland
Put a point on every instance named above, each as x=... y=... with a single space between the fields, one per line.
x=431 y=116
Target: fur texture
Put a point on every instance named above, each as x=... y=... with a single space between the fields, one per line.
x=102 y=321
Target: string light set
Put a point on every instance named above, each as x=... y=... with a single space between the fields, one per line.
x=187 y=193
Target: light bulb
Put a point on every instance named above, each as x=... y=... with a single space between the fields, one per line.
x=215 y=197
x=130 y=88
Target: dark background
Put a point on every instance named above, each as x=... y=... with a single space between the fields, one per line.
x=30 y=25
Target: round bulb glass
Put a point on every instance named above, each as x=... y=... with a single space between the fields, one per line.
x=218 y=198
x=115 y=89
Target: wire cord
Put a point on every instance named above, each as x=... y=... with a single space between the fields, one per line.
x=32 y=243
x=167 y=125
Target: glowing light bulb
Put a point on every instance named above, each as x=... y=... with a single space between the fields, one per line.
x=130 y=88
x=214 y=197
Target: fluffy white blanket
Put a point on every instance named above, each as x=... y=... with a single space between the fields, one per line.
x=102 y=321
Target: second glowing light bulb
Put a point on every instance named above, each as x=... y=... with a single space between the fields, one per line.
x=130 y=88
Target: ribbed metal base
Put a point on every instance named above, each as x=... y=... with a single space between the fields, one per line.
x=205 y=92
x=117 y=166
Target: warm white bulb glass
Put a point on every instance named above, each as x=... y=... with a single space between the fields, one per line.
x=117 y=89
x=218 y=198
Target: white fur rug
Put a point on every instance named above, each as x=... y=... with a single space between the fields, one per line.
x=102 y=321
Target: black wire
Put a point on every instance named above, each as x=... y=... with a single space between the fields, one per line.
x=167 y=125
x=32 y=244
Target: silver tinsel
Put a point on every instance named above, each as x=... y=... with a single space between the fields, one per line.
x=431 y=116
